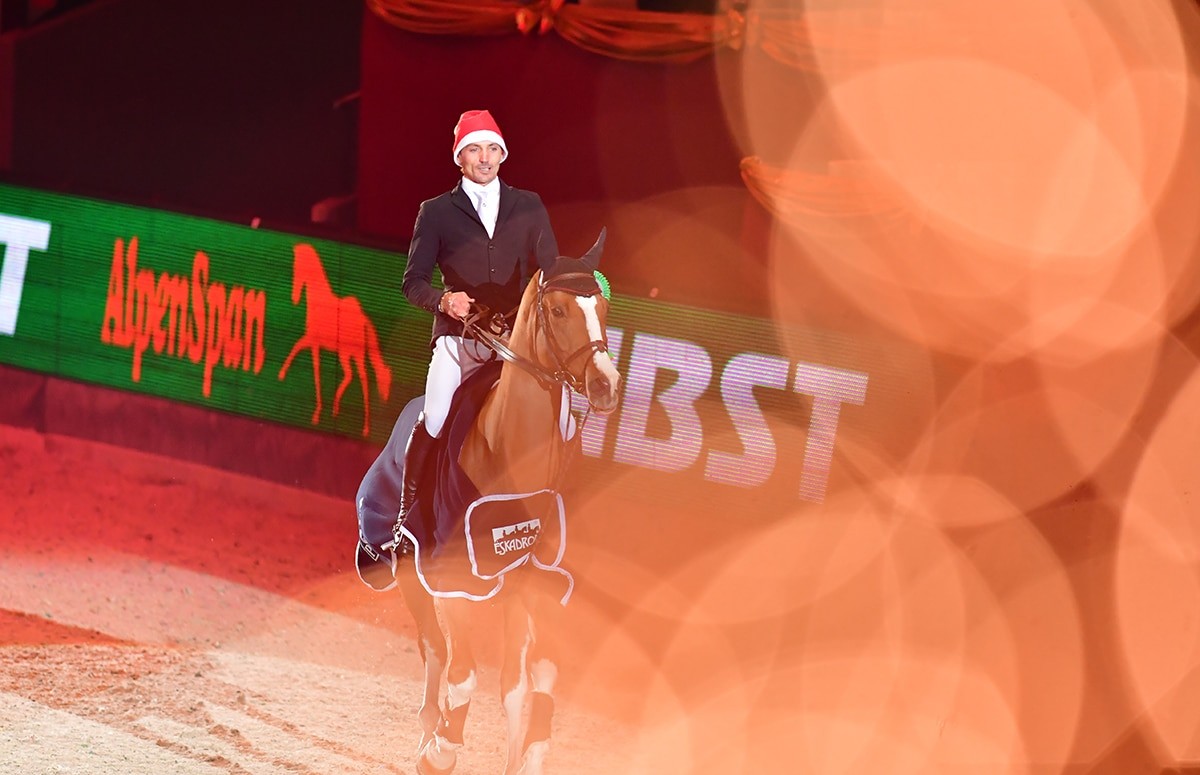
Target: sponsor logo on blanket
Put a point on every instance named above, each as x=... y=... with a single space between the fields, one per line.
x=516 y=538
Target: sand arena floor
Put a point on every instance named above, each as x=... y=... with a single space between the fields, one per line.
x=163 y=617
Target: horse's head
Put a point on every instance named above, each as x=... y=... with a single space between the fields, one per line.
x=304 y=258
x=572 y=327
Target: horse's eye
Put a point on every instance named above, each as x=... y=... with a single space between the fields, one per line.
x=558 y=312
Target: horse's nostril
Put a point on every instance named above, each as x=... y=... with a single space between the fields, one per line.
x=600 y=385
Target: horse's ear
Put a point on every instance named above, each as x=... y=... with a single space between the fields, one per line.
x=591 y=259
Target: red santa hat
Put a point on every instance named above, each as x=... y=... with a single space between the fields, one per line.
x=477 y=126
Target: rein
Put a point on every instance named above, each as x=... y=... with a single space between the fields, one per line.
x=546 y=379
x=561 y=376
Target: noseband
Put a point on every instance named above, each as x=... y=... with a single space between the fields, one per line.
x=560 y=375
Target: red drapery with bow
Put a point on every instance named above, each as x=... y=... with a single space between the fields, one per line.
x=805 y=41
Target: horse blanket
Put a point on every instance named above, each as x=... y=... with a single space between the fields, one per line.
x=463 y=542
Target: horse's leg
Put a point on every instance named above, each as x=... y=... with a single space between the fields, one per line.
x=300 y=344
x=316 y=359
x=349 y=362
x=514 y=677
x=432 y=645
x=546 y=622
x=439 y=756
x=366 y=392
x=347 y=375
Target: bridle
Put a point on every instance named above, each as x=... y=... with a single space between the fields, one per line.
x=558 y=377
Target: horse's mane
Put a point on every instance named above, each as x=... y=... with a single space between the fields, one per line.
x=523 y=325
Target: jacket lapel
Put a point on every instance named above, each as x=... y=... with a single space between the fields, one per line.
x=463 y=202
x=507 y=202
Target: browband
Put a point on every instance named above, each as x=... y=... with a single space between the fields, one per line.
x=578 y=283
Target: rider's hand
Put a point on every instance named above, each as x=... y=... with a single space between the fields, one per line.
x=456 y=304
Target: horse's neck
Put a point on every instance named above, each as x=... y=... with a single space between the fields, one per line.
x=517 y=445
x=317 y=283
x=519 y=431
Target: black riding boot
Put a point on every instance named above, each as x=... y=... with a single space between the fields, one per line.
x=416 y=457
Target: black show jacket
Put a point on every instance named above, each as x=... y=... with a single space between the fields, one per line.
x=494 y=270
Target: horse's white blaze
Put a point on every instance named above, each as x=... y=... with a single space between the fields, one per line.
x=460 y=694
x=602 y=360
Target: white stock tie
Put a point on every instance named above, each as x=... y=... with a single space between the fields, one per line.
x=486 y=214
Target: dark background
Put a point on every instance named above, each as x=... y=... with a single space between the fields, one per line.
x=229 y=109
x=328 y=120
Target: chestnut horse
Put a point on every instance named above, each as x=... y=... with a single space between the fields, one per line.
x=519 y=442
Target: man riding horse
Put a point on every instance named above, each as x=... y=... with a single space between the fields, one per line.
x=487 y=238
x=498 y=428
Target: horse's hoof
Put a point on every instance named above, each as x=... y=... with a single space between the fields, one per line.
x=426 y=767
x=535 y=755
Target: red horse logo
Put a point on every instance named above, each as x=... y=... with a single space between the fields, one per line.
x=338 y=324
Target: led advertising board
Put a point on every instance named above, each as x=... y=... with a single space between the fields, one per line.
x=315 y=333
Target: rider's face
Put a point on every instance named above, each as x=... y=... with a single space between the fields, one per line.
x=480 y=162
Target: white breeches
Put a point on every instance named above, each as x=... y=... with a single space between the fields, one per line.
x=453 y=360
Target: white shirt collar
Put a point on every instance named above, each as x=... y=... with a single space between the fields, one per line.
x=491 y=190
